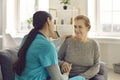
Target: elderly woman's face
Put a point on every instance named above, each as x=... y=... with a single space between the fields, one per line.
x=80 y=29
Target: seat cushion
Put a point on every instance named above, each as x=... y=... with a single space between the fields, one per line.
x=98 y=77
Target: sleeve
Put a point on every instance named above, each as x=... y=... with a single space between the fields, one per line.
x=48 y=55
x=61 y=52
x=58 y=42
x=95 y=68
x=55 y=73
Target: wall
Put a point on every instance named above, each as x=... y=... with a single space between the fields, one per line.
x=0 y=17
x=2 y=21
x=110 y=54
x=65 y=16
x=0 y=24
x=82 y=4
x=110 y=50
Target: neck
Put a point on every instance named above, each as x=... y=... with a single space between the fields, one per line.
x=44 y=32
x=84 y=39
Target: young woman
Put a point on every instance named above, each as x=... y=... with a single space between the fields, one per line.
x=37 y=56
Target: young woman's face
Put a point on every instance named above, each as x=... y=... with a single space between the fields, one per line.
x=80 y=29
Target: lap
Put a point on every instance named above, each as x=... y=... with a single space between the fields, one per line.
x=97 y=77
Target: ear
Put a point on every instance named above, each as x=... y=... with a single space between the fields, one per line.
x=88 y=28
x=48 y=21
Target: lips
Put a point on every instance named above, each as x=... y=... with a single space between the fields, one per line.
x=78 y=33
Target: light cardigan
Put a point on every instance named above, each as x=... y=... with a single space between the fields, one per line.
x=84 y=56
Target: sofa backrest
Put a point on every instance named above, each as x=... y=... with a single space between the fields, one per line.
x=7 y=58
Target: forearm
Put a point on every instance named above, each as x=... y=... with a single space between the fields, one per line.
x=55 y=73
x=61 y=53
x=91 y=72
x=58 y=42
x=60 y=62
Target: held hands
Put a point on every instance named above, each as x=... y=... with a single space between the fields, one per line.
x=65 y=36
x=66 y=67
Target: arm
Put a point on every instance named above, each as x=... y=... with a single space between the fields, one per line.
x=61 y=52
x=58 y=42
x=55 y=73
x=95 y=68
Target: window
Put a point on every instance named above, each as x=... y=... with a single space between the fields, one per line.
x=19 y=15
x=107 y=17
x=26 y=10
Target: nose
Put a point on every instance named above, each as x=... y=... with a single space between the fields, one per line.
x=77 y=29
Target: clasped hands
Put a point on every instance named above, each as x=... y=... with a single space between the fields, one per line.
x=66 y=68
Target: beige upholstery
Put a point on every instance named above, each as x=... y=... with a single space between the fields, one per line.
x=8 y=42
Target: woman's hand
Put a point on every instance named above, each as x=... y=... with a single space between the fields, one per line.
x=65 y=36
x=66 y=67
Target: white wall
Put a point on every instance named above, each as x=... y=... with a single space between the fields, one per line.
x=82 y=4
x=0 y=17
x=2 y=21
x=0 y=24
x=110 y=51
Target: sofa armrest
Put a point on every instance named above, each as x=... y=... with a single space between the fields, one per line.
x=6 y=68
x=103 y=70
x=11 y=54
x=7 y=58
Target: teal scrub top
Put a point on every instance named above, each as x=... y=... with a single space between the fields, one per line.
x=41 y=54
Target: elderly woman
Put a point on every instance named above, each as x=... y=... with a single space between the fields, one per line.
x=80 y=51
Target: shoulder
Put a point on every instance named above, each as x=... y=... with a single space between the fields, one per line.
x=69 y=38
x=42 y=42
x=94 y=42
x=44 y=46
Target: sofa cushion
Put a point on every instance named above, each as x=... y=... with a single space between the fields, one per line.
x=10 y=53
x=7 y=58
x=0 y=74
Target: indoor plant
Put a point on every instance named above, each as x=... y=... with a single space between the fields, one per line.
x=65 y=3
x=29 y=21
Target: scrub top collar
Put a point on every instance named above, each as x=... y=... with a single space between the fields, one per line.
x=41 y=34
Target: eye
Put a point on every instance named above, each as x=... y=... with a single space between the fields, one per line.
x=75 y=26
x=80 y=26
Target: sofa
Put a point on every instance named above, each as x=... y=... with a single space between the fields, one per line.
x=9 y=56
